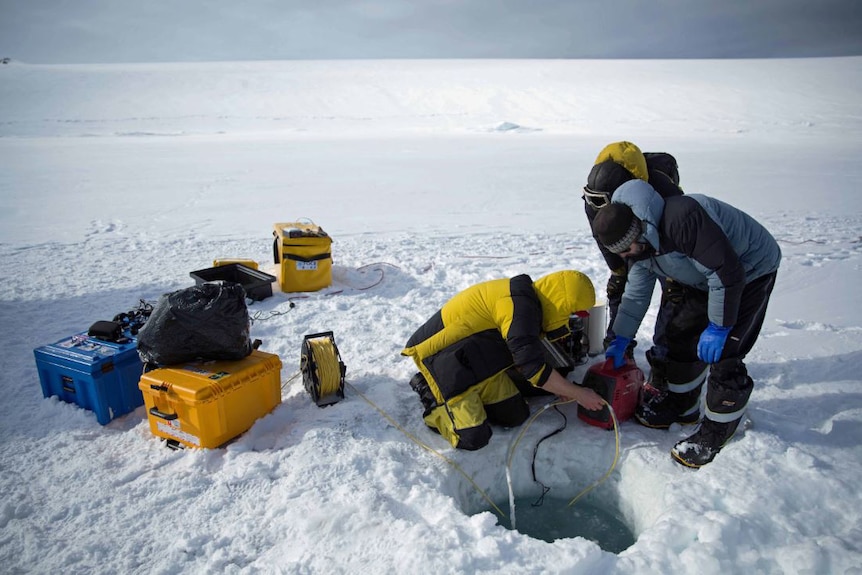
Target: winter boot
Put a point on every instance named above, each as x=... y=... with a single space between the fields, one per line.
x=727 y=396
x=660 y=409
x=420 y=386
x=702 y=447
x=672 y=394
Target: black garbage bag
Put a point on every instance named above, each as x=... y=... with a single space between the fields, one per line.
x=204 y=322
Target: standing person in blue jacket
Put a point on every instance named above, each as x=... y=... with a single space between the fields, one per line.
x=731 y=261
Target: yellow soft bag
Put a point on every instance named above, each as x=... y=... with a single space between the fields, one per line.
x=303 y=253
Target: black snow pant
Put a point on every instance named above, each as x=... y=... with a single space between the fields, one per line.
x=729 y=385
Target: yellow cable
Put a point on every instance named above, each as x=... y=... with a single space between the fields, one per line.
x=527 y=426
x=427 y=447
x=613 y=465
x=325 y=359
x=329 y=377
x=511 y=454
x=559 y=402
x=291 y=378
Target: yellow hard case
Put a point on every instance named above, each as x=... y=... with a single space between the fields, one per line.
x=206 y=404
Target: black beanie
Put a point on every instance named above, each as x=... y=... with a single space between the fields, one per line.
x=607 y=176
x=616 y=227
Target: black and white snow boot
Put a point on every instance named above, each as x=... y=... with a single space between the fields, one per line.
x=702 y=447
x=672 y=394
x=659 y=408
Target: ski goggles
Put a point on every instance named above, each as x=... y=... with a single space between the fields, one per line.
x=596 y=200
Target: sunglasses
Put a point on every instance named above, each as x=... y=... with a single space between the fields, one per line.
x=596 y=200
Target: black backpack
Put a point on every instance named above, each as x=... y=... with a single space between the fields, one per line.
x=663 y=173
x=663 y=162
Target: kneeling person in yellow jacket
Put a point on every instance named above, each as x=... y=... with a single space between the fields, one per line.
x=475 y=350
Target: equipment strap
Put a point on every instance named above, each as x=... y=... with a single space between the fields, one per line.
x=315 y=257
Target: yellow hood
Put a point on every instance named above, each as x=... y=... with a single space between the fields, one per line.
x=628 y=156
x=561 y=294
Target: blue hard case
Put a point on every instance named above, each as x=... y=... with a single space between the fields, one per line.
x=101 y=376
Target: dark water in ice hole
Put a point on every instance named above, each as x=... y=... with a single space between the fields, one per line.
x=555 y=520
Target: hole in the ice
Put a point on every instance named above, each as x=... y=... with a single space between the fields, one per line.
x=554 y=519
x=610 y=510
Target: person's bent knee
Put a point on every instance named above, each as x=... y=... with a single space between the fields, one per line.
x=509 y=412
x=474 y=438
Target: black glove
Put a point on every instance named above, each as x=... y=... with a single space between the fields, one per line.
x=617 y=284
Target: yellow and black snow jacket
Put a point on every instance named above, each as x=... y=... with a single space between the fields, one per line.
x=493 y=326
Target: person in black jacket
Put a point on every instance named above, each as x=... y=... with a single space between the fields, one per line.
x=616 y=164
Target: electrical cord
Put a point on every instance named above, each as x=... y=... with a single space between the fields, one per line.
x=545 y=488
x=524 y=429
x=427 y=447
x=510 y=455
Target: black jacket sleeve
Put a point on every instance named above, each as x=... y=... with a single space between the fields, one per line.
x=525 y=332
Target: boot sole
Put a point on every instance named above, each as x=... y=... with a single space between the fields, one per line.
x=654 y=426
x=688 y=464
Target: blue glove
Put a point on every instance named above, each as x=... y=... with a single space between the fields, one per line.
x=617 y=350
x=711 y=342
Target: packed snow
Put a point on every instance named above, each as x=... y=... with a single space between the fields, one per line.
x=430 y=176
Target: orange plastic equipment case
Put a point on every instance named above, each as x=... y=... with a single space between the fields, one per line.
x=206 y=404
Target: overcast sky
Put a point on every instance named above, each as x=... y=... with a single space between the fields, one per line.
x=93 y=31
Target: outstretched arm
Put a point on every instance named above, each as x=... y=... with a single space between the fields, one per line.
x=559 y=385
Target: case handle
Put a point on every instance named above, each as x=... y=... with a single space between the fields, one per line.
x=162 y=414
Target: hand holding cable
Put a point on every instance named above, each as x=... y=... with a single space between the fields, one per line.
x=568 y=391
x=588 y=399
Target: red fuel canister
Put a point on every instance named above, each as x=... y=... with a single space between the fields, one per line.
x=619 y=387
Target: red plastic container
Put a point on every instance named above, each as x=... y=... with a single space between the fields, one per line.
x=619 y=387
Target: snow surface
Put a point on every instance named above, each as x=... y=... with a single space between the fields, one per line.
x=119 y=180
